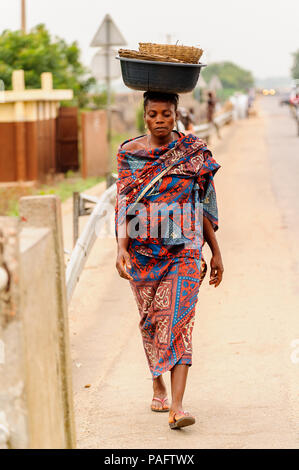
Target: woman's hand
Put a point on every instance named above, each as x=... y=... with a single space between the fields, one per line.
x=216 y=270
x=123 y=261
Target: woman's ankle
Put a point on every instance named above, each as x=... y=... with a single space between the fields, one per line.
x=158 y=384
x=160 y=392
x=176 y=406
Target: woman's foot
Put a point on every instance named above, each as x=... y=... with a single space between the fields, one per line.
x=179 y=419
x=160 y=404
x=160 y=400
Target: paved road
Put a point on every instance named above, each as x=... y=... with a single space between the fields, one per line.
x=283 y=152
x=243 y=386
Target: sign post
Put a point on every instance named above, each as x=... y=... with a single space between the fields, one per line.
x=23 y=16
x=106 y=36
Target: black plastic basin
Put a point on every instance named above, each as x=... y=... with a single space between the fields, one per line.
x=164 y=77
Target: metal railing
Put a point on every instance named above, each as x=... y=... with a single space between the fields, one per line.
x=3 y=279
x=204 y=130
x=4 y=276
x=81 y=207
x=86 y=241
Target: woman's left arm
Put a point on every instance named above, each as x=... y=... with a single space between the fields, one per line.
x=216 y=260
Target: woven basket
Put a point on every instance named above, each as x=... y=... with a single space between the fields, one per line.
x=185 y=54
x=146 y=56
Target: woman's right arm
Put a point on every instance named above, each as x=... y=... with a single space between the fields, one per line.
x=123 y=257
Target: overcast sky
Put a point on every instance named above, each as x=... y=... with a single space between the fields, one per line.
x=259 y=35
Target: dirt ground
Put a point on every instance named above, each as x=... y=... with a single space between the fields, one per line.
x=243 y=386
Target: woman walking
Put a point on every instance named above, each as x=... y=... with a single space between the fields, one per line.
x=166 y=210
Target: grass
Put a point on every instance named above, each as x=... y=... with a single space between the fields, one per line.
x=116 y=140
x=9 y=197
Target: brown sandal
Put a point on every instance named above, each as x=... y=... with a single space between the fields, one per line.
x=163 y=409
x=186 y=419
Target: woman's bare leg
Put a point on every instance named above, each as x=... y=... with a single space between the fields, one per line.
x=160 y=391
x=178 y=383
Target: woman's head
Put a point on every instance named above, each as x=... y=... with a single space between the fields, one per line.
x=160 y=112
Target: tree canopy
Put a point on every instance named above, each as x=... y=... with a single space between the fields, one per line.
x=36 y=52
x=295 y=68
x=231 y=75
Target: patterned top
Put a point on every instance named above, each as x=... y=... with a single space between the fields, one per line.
x=165 y=211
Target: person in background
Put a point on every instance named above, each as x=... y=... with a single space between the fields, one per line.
x=251 y=96
x=185 y=123
x=211 y=104
x=295 y=100
x=180 y=121
x=192 y=115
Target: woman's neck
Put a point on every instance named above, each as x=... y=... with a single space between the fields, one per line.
x=160 y=141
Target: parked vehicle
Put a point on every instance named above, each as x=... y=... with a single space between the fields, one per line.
x=284 y=99
x=294 y=104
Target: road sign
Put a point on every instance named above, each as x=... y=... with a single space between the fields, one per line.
x=98 y=65
x=2 y=91
x=108 y=34
x=215 y=83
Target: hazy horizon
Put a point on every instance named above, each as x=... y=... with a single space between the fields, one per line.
x=259 y=36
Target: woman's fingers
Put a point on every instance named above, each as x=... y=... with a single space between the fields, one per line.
x=219 y=277
x=213 y=276
x=216 y=276
x=120 y=266
x=127 y=260
x=123 y=273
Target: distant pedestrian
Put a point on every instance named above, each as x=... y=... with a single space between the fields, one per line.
x=192 y=115
x=251 y=96
x=211 y=104
x=184 y=122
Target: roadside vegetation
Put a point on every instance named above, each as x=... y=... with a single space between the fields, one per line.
x=37 y=52
x=9 y=196
x=295 y=67
x=233 y=78
x=116 y=140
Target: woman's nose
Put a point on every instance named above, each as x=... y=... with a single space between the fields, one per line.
x=159 y=119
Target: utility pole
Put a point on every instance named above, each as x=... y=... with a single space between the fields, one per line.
x=108 y=35
x=23 y=16
x=108 y=90
x=168 y=38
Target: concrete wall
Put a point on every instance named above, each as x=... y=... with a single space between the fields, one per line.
x=44 y=396
x=13 y=410
x=36 y=403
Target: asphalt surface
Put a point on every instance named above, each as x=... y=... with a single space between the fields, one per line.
x=283 y=153
x=243 y=384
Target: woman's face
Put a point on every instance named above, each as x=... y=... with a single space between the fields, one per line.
x=160 y=117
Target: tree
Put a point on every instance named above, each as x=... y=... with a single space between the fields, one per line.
x=37 y=52
x=140 y=125
x=232 y=76
x=295 y=68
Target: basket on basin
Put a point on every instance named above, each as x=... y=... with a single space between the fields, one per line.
x=186 y=54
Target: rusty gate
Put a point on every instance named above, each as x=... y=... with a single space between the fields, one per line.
x=67 y=139
x=94 y=143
